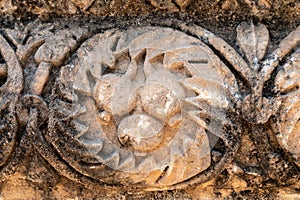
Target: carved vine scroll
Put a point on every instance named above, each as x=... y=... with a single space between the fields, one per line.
x=151 y=107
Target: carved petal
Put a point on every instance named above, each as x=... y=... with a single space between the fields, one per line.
x=287 y=120
x=253 y=40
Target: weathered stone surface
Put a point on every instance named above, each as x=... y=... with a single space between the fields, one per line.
x=277 y=10
x=154 y=99
x=152 y=104
x=125 y=106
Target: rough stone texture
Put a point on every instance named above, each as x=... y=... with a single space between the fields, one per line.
x=138 y=100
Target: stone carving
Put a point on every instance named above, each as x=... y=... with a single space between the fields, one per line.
x=145 y=107
x=11 y=72
x=261 y=102
x=254 y=41
x=143 y=103
x=22 y=80
x=286 y=123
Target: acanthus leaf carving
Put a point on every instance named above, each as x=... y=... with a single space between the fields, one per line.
x=29 y=38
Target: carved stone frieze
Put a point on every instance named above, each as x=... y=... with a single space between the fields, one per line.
x=149 y=107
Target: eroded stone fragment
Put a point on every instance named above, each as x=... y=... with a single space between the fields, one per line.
x=56 y=47
x=54 y=50
x=40 y=78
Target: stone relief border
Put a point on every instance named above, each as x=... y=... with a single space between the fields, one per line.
x=35 y=53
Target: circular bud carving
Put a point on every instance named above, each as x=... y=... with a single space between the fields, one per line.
x=149 y=104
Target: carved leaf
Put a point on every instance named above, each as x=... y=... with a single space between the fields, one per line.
x=16 y=36
x=287 y=120
x=253 y=40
